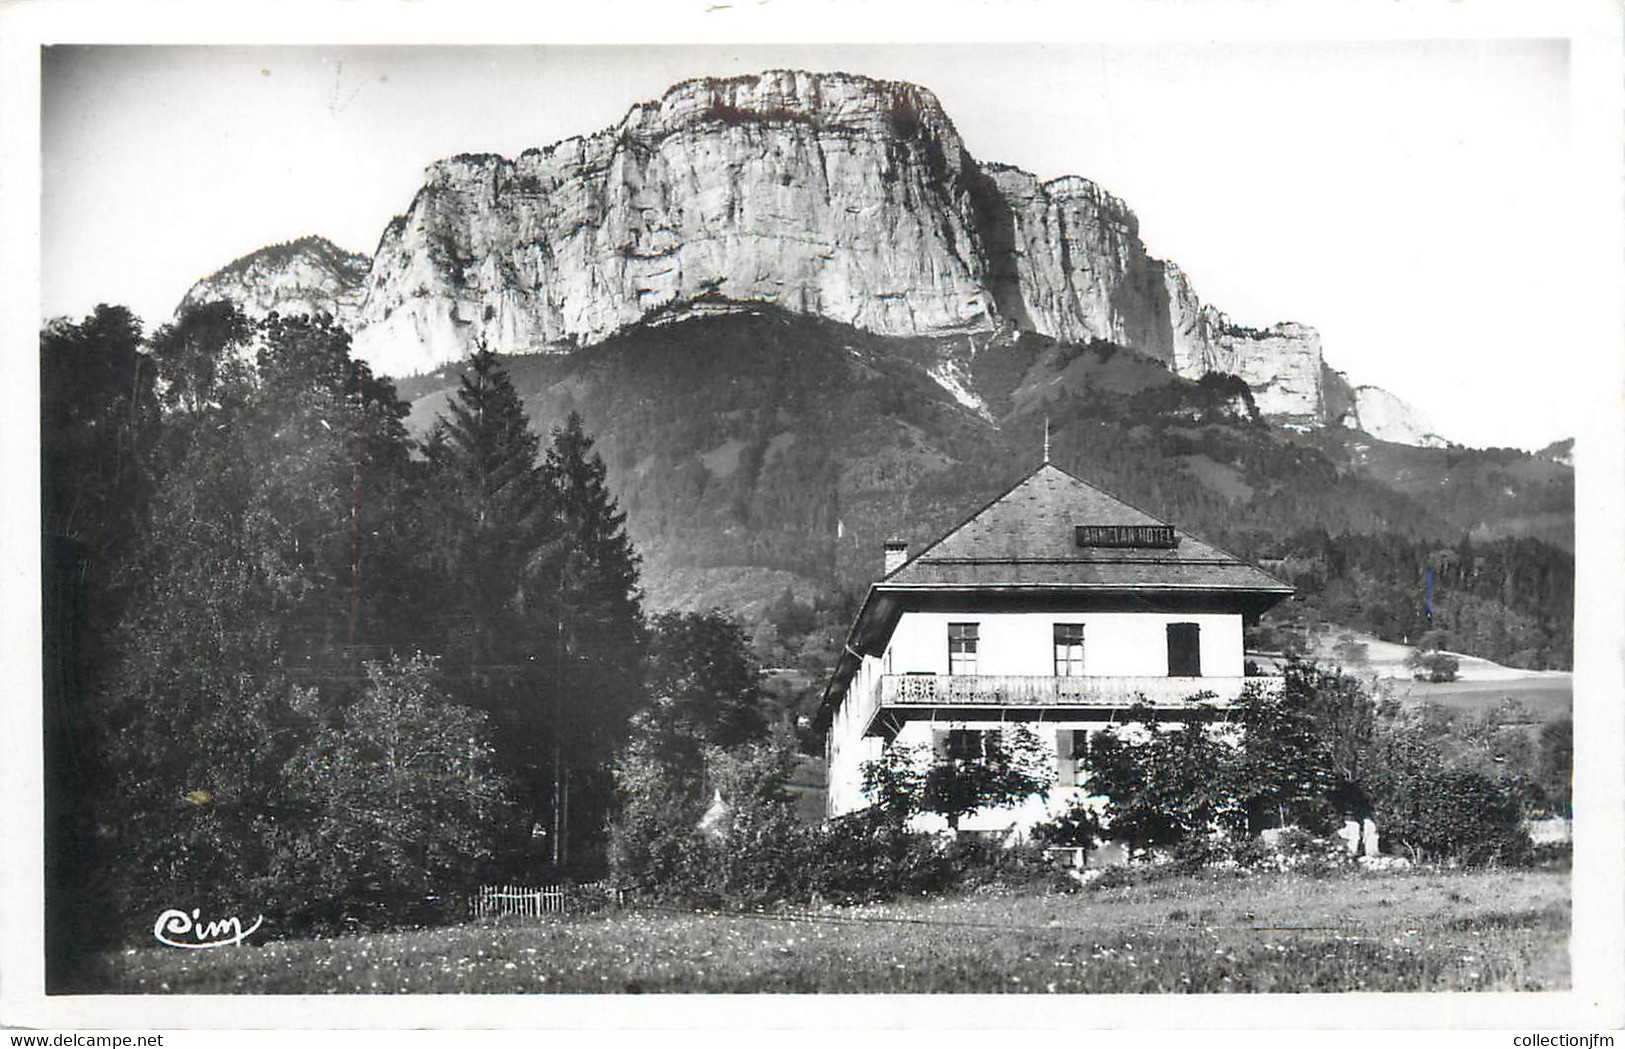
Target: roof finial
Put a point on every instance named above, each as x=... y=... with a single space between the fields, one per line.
x=1046 y=438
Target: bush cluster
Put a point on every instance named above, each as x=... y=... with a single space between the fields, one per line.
x=1438 y=812
x=1433 y=666
x=752 y=851
x=1191 y=796
x=1304 y=756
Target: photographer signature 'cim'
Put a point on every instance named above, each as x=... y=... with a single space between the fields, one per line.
x=178 y=923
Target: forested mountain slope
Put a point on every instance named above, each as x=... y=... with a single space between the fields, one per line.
x=758 y=452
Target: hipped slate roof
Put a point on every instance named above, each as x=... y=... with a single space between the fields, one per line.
x=1025 y=539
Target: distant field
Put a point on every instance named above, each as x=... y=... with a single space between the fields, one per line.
x=1214 y=932
x=1547 y=694
x=1546 y=698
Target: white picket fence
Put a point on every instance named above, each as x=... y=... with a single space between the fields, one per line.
x=529 y=901
x=525 y=901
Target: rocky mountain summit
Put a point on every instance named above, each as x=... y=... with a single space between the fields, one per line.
x=830 y=195
x=308 y=275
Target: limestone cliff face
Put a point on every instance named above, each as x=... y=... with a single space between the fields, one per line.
x=833 y=195
x=846 y=197
x=309 y=275
x=1075 y=264
x=1194 y=329
x=828 y=194
x=1282 y=364
x=1388 y=418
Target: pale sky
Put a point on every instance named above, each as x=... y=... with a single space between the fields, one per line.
x=1411 y=200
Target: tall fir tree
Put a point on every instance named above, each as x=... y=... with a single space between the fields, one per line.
x=602 y=631
x=491 y=544
x=494 y=526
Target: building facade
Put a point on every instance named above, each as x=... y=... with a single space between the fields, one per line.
x=1057 y=607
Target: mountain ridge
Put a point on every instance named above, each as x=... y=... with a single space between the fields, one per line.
x=827 y=193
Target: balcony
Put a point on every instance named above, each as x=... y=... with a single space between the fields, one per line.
x=998 y=690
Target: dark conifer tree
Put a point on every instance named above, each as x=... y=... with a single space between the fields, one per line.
x=493 y=549
x=601 y=627
x=494 y=515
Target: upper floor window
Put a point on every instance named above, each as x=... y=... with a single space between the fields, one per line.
x=962 y=648
x=1184 y=650
x=1068 y=649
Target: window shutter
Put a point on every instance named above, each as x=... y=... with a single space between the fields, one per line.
x=1184 y=650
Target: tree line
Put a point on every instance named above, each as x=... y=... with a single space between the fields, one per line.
x=298 y=663
x=1509 y=600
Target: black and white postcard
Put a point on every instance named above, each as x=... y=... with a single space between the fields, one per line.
x=746 y=516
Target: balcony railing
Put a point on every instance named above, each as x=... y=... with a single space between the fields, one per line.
x=1001 y=690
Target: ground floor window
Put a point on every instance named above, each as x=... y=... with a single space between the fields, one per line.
x=1071 y=753
x=966 y=744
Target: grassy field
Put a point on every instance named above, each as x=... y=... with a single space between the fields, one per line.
x=1481 y=685
x=1545 y=699
x=1213 y=932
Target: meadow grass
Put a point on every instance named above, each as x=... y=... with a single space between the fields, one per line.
x=1203 y=933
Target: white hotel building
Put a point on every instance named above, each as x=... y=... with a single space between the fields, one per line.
x=1055 y=606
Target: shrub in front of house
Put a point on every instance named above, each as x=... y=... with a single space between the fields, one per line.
x=1552 y=855
x=667 y=844
x=868 y=856
x=992 y=863
x=1166 y=787
x=653 y=835
x=1440 y=813
x=1250 y=853
x=758 y=854
x=752 y=852
x=863 y=857
x=1435 y=801
x=1006 y=768
x=1075 y=827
